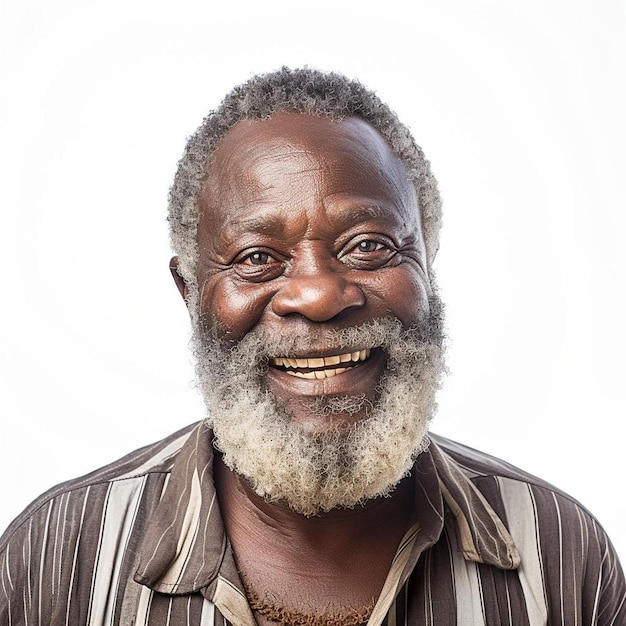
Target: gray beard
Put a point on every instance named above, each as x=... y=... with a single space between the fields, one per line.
x=341 y=467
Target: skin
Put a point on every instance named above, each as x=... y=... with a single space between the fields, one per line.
x=309 y=226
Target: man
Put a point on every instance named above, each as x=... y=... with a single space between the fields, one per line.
x=305 y=222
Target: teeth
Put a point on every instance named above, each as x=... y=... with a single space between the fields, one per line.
x=319 y=374
x=317 y=363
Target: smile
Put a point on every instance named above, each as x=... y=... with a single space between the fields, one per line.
x=323 y=366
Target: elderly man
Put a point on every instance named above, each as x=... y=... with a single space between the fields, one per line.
x=305 y=220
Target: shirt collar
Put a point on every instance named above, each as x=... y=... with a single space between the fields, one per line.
x=185 y=545
x=185 y=542
x=482 y=535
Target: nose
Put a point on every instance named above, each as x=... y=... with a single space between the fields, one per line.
x=318 y=296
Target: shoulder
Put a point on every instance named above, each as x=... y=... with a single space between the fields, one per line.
x=539 y=516
x=483 y=469
x=83 y=536
x=476 y=463
x=547 y=525
x=154 y=461
x=568 y=569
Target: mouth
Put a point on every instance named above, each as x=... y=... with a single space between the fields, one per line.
x=321 y=367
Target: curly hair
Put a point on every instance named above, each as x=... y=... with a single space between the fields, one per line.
x=307 y=91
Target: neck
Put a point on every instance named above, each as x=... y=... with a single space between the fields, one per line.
x=242 y=506
x=336 y=561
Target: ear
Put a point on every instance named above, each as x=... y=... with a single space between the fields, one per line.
x=178 y=279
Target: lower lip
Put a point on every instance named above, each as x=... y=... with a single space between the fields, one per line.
x=362 y=378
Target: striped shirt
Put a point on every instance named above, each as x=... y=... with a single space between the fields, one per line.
x=141 y=542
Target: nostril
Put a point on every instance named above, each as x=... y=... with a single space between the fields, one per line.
x=319 y=298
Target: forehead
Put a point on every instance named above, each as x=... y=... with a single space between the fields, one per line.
x=291 y=157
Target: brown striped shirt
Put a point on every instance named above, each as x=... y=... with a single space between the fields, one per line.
x=141 y=542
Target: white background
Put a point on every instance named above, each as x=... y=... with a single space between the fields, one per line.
x=519 y=106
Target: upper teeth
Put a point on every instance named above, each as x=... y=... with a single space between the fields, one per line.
x=320 y=362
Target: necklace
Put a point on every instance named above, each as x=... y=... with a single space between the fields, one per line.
x=295 y=617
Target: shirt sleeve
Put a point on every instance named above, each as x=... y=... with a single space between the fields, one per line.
x=18 y=575
x=44 y=561
x=609 y=606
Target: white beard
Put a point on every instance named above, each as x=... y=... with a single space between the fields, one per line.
x=317 y=472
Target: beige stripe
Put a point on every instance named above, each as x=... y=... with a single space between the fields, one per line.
x=94 y=570
x=7 y=567
x=561 y=566
x=469 y=601
x=392 y=582
x=5 y=574
x=188 y=533
x=65 y=502
x=143 y=606
x=584 y=543
x=467 y=540
x=510 y=557
x=596 y=603
x=233 y=604
x=28 y=563
x=208 y=614
x=166 y=482
x=191 y=519
x=158 y=458
x=205 y=538
x=42 y=557
x=119 y=518
x=519 y=507
x=75 y=557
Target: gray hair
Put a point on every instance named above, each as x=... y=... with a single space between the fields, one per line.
x=308 y=91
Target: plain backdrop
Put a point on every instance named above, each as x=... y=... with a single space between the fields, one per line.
x=518 y=105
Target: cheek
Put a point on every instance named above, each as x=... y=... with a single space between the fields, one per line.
x=404 y=293
x=236 y=307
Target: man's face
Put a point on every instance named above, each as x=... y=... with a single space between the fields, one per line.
x=308 y=228
x=317 y=337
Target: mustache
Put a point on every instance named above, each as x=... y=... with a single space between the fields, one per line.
x=372 y=334
x=257 y=348
x=310 y=339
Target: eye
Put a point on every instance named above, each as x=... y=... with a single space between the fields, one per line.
x=258 y=265
x=258 y=258
x=368 y=252
x=369 y=245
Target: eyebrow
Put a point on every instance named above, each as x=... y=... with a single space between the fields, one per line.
x=263 y=224
x=273 y=224
x=363 y=212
